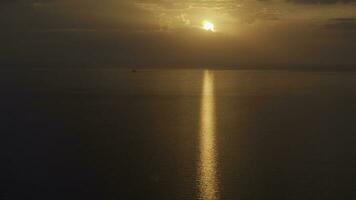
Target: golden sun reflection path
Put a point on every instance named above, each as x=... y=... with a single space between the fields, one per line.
x=208 y=181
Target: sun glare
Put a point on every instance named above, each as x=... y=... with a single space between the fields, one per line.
x=208 y=26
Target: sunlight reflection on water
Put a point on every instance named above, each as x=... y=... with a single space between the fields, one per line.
x=208 y=181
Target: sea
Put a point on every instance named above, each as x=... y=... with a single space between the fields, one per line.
x=177 y=134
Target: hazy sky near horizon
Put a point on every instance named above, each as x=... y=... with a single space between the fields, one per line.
x=168 y=33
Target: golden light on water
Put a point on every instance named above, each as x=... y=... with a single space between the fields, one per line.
x=208 y=26
x=208 y=181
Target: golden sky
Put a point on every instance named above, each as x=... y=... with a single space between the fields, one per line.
x=167 y=32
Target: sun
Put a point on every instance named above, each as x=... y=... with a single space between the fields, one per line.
x=208 y=26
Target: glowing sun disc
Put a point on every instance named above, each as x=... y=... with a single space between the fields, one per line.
x=208 y=26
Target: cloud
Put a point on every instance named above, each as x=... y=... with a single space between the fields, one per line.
x=74 y=14
x=348 y=24
x=167 y=32
x=321 y=1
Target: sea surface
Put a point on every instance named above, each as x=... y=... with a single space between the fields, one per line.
x=114 y=134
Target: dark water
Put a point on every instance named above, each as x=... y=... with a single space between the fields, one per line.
x=177 y=134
